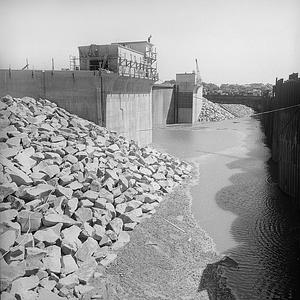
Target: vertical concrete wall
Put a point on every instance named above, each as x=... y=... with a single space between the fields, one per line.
x=120 y=103
x=131 y=116
x=197 y=103
x=189 y=98
x=128 y=105
x=20 y=83
x=186 y=81
x=74 y=91
x=175 y=103
x=185 y=106
x=163 y=105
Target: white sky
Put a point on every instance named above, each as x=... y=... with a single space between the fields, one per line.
x=235 y=41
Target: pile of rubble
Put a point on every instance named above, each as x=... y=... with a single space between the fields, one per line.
x=212 y=112
x=71 y=191
x=238 y=110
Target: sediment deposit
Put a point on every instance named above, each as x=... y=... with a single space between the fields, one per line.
x=71 y=192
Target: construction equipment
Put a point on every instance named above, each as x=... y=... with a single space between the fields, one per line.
x=26 y=67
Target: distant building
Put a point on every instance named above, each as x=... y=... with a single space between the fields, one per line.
x=132 y=59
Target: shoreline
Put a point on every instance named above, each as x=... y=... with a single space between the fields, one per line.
x=86 y=195
x=165 y=257
x=200 y=252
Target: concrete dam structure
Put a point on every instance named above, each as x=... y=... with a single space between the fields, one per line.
x=177 y=103
x=129 y=106
x=113 y=86
x=121 y=104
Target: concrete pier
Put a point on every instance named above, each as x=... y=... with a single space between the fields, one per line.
x=177 y=103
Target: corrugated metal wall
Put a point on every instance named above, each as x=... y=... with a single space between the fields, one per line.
x=282 y=130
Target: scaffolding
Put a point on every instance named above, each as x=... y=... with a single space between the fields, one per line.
x=136 y=69
x=99 y=57
x=74 y=62
x=143 y=69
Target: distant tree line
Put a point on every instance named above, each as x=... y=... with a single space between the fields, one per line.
x=253 y=89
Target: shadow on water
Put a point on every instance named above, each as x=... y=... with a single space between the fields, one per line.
x=213 y=281
x=255 y=224
x=265 y=229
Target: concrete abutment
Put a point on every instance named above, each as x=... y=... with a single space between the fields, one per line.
x=121 y=104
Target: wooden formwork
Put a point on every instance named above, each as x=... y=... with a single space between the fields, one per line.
x=282 y=129
x=289 y=155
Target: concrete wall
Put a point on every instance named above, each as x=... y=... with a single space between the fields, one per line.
x=184 y=106
x=128 y=109
x=131 y=116
x=186 y=82
x=197 y=103
x=188 y=98
x=74 y=91
x=163 y=106
x=21 y=83
x=120 y=103
x=175 y=104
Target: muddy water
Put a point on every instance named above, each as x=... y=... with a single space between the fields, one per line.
x=237 y=201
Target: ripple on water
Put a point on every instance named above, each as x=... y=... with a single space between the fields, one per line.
x=266 y=249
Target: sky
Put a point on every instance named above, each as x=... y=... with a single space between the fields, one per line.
x=235 y=41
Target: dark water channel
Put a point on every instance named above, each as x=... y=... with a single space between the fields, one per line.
x=237 y=201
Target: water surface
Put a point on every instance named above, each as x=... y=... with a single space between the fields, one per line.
x=237 y=201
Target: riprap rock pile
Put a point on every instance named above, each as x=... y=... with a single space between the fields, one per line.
x=212 y=112
x=70 y=193
x=238 y=110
